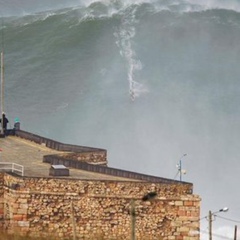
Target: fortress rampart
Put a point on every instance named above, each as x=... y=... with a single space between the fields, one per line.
x=98 y=209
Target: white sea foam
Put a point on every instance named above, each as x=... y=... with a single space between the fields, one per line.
x=191 y=65
x=125 y=35
x=217 y=4
x=179 y=5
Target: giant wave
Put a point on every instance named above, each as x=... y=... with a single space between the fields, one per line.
x=147 y=80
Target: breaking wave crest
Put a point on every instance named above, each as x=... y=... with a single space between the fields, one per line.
x=70 y=73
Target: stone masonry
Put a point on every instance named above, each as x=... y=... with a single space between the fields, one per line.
x=97 y=209
x=95 y=201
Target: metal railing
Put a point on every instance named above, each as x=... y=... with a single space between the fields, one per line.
x=13 y=167
x=56 y=145
x=58 y=160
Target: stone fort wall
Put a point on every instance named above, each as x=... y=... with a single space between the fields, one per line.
x=94 y=209
x=84 y=209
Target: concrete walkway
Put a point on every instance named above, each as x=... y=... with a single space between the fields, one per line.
x=30 y=155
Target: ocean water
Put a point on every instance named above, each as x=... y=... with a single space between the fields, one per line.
x=147 y=80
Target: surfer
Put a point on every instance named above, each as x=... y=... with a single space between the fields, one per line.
x=132 y=95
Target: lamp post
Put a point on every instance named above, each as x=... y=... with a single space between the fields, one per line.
x=133 y=220
x=73 y=222
x=2 y=92
x=210 y=219
x=145 y=198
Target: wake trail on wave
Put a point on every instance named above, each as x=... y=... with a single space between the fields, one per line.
x=125 y=35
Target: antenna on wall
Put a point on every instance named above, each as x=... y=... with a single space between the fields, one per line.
x=179 y=167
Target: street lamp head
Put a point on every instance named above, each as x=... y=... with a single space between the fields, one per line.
x=225 y=209
x=149 y=196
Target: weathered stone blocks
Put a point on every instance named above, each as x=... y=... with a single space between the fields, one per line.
x=43 y=206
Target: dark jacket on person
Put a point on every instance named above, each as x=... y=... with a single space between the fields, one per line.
x=5 y=121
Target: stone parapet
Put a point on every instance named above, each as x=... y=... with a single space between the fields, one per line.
x=95 y=158
x=94 y=209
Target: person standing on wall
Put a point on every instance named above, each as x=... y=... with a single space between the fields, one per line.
x=4 y=122
x=16 y=125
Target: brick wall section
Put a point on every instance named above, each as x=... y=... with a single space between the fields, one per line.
x=40 y=206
